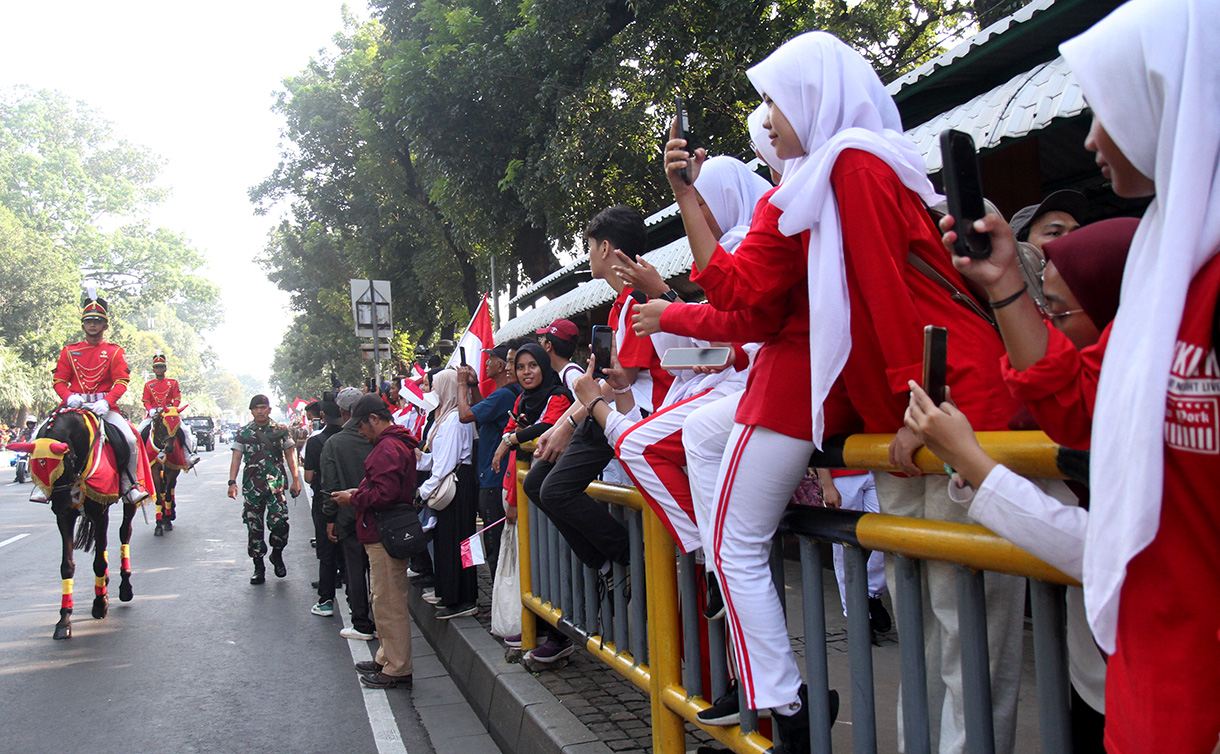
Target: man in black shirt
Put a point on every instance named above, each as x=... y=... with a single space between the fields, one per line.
x=326 y=550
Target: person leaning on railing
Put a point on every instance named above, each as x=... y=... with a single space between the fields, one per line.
x=1151 y=583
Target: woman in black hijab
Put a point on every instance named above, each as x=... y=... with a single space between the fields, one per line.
x=543 y=401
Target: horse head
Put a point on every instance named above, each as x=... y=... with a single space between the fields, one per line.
x=59 y=452
x=171 y=418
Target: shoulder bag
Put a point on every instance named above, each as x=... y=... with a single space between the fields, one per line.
x=401 y=534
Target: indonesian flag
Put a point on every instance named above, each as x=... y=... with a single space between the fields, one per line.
x=298 y=406
x=478 y=336
x=472 y=548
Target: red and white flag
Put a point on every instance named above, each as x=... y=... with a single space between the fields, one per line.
x=478 y=335
x=472 y=548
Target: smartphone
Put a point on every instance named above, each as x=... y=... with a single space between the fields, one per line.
x=935 y=361
x=689 y=358
x=602 y=345
x=684 y=133
x=964 y=191
x=462 y=354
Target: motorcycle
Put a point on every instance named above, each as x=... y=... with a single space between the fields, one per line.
x=22 y=462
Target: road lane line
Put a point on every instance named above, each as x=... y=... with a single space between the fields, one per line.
x=381 y=718
x=11 y=540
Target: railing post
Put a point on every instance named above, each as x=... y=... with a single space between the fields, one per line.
x=976 y=668
x=860 y=652
x=661 y=598
x=529 y=630
x=1051 y=666
x=816 y=674
x=908 y=606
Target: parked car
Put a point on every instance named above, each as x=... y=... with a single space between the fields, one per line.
x=204 y=430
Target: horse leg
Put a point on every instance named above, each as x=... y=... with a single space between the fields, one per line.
x=159 y=485
x=101 y=564
x=67 y=569
x=171 y=497
x=125 y=592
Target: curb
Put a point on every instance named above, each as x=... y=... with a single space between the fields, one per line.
x=515 y=708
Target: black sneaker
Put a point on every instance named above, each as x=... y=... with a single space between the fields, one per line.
x=456 y=611
x=714 y=609
x=726 y=710
x=277 y=560
x=878 y=616
x=367 y=667
x=260 y=572
x=794 y=729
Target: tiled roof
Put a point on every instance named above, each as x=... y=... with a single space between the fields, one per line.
x=1026 y=103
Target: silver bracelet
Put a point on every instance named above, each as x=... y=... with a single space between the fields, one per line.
x=572 y=421
x=623 y=391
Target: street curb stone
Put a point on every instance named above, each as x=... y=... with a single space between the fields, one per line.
x=521 y=715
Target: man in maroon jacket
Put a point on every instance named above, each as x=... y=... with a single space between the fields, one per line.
x=389 y=480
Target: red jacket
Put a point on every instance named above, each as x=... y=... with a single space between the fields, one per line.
x=1060 y=390
x=389 y=480
x=162 y=393
x=87 y=369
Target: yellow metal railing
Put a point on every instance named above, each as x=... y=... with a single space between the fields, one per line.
x=1028 y=453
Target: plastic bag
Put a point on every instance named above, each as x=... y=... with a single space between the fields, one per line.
x=506 y=591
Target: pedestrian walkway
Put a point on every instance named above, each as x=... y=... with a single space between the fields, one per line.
x=616 y=713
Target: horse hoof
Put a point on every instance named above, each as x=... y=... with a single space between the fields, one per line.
x=125 y=592
x=169 y=525
x=101 y=605
x=160 y=530
x=63 y=631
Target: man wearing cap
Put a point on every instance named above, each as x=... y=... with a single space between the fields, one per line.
x=326 y=550
x=265 y=446
x=93 y=375
x=559 y=340
x=389 y=481
x=342 y=465
x=164 y=391
x=490 y=415
x=1057 y=215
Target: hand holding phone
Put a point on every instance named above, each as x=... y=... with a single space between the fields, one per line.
x=964 y=192
x=688 y=174
x=601 y=346
x=935 y=362
x=462 y=355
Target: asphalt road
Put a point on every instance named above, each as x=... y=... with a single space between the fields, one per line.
x=199 y=661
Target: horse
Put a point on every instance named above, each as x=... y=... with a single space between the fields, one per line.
x=68 y=461
x=168 y=458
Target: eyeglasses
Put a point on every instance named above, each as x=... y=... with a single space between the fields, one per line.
x=1051 y=316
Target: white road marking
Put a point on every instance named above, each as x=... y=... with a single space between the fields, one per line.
x=11 y=540
x=376 y=703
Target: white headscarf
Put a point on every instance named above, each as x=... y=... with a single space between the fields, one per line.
x=731 y=191
x=761 y=139
x=1149 y=73
x=834 y=101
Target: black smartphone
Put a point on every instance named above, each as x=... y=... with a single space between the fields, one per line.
x=462 y=354
x=964 y=191
x=684 y=133
x=602 y=345
x=935 y=362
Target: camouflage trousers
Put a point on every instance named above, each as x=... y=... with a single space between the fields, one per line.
x=274 y=508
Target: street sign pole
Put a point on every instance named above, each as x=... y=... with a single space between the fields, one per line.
x=376 y=348
x=368 y=298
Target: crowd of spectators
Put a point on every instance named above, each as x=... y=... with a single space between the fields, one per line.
x=819 y=284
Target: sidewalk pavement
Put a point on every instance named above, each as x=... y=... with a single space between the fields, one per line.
x=583 y=707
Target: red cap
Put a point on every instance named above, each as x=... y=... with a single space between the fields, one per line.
x=562 y=329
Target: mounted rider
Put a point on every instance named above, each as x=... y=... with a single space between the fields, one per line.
x=161 y=392
x=93 y=375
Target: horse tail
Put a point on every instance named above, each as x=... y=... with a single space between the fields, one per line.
x=84 y=534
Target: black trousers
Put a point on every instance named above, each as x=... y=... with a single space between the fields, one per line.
x=327 y=552
x=559 y=490
x=357 y=583
x=456 y=585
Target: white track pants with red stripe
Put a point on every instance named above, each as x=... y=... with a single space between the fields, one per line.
x=705 y=435
x=653 y=455
x=859 y=493
x=761 y=471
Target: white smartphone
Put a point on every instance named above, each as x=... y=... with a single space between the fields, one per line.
x=689 y=358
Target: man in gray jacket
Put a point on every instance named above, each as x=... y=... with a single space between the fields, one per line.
x=342 y=469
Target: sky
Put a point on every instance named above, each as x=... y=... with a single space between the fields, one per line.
x=194 y=83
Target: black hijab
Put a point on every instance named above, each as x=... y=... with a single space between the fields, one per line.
x=532 y=403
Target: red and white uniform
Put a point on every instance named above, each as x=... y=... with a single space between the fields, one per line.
x=94 y=372
x=651 y=382
x=1163 y=679
x=161 y=393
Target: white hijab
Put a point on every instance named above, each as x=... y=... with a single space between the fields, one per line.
x=761 y=139
x=1149 y=72
x=834 y=101
x=731 y=191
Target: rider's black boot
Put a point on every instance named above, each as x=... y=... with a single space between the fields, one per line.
x=260 y=572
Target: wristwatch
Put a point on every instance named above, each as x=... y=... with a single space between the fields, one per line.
x=232 y=481
x=670 y=295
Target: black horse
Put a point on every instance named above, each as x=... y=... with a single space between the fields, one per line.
x=58 y=470
x=163 y=441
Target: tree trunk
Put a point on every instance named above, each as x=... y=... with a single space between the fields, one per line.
x=533 y=251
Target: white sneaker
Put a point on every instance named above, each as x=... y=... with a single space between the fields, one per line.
x=412 y=573
x=430 y=597
x=351 y=633
x=38 y=496
x=135 y=495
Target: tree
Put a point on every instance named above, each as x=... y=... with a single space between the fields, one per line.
x=39 y=294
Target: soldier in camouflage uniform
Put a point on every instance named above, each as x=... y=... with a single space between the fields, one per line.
x=263 y=443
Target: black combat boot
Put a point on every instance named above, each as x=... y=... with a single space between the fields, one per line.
x=277 y=560
x=260 y=572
